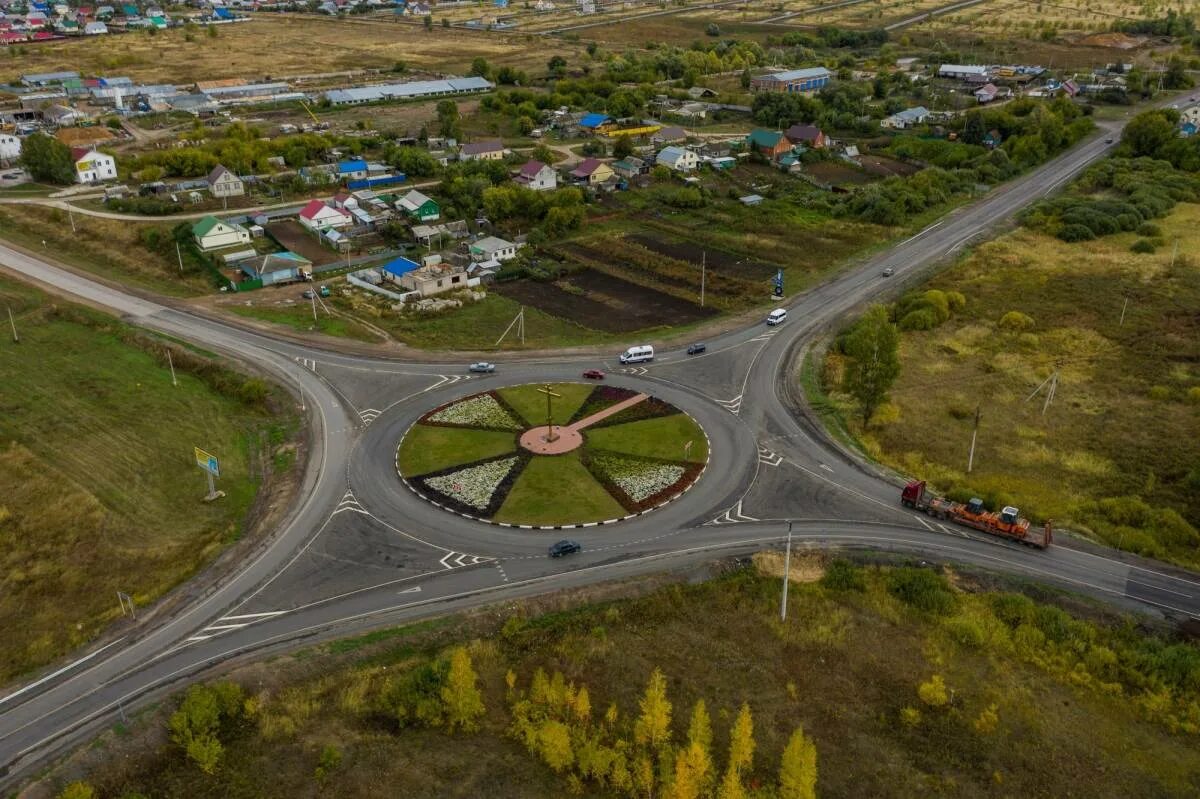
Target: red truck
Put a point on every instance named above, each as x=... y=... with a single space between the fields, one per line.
x=1006 y=524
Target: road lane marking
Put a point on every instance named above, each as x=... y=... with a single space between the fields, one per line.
x=927 y=525
x=59 y=672
x=1157 y=588
x=253 y=615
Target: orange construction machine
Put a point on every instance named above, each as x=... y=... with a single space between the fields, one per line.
x=1006 y=524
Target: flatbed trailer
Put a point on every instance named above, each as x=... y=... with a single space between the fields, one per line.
x=1007 y=523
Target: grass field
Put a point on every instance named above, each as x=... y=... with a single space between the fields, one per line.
x=109 y=248
x=283 y=45
x=557 y=490
x=433 y=448
x=1024 y=714
x=531 y=403
x=99 y=491
x=298 y=317
x=663 y=437
x=1124 y=426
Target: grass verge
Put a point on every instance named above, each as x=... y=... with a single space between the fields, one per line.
x=557 y=490
x=427 y=448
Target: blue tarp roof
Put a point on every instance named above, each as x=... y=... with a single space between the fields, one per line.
x=593 y=120
x=352 y=165
x=400 y=266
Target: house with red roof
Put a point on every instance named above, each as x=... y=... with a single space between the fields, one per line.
x=537 y=176
x=92 y=166
x=319 y=216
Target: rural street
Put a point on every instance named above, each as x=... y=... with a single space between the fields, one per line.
x=362 y=551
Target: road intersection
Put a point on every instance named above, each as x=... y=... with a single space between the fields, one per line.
x=361 y=551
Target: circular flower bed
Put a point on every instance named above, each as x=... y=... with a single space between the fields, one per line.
x=624 y=453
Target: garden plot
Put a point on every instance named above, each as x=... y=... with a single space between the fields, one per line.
x=717 y=261
x=886 y=167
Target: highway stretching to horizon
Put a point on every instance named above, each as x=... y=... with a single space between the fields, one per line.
x=360 y=550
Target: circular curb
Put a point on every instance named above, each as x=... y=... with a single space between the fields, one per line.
x=581 y=525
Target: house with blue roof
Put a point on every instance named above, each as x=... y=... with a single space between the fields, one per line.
x=352 y=169
x=399 y=267
x=595 y=122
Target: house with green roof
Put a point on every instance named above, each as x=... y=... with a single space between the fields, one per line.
x=211 y=233
x=770 y=143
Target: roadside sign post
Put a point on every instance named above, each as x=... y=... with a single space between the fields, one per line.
x=211 y=469
x=787 y=572
x=12 y=323
x=687 y=449
x=126 y=602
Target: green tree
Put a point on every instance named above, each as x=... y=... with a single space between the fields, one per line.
x=428 y=22
x=746 y=78
x=557 y=65
x=213 y=32
x=622 y=147
x=873 y=346
x=480 y=67
x=693 y=764
x=449 y=121
x=798 y=768
x=1147 y=133
x=974 y=128
x=464 y=702
x=731 y=786
x=581 y=708
x=47 y=159
x=653 y=726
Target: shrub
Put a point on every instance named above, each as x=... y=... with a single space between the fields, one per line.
x=1142 y=246
x=1015 y=322
x=842 y=575
x=1076 y=232
x=922 y=589
x=1193 y=395
x=933 y=691
x=1149 y=230
x=920 y=319
x=1160 y=393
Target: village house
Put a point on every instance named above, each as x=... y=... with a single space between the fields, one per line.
x=808 y=135
x=629 y=167
x=678 y=159
x=591 y=171
x=319 y=217
x=908 y=118
x=493 y=150
x=419 y=207
x=10 y=148
x=806 y=80
x=595 y=123
x=672 y=134
x=345 y=200
x=434 y=279
x=537 y=176
x=223 y=183
x=211 y=233
x=352 y=169
x=276 y=268
x=92 y=166
x=492 y=248
x=770 y=143
x=962 y=71
x=986 y=93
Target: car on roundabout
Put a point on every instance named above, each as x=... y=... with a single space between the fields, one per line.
x=593 y=374
x=696 y=349
x=565 y=547
x=482 y=367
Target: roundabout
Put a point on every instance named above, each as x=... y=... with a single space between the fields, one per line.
x=553 y=455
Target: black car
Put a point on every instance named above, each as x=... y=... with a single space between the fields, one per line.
x=564 y=547
x=696 y=349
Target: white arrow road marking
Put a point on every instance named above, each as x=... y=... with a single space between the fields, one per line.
x=410 y=590
x=768 y=457
x=734 y=515
x=456 y=560
x=635 y=370
x=826 y=468
x=351 y=504
x=734 y=405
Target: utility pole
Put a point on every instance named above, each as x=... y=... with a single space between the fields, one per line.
x=974 y=434
x=787 y=569
x=1052 y=381
x=1175 y=253
x=179 y=257
x=1123 y=307
x=171 y=363
x=13 y=324
x=703 y=271
x=71 y=216
x=314 y=307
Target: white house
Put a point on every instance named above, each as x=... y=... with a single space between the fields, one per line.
x=492 y=248
x=92 y=166
x=962 y=71
x=537 y=176
x=10 y=147
x=678 y=159
x=319 y=216
x=96 y=28
x=211 y=233
x=908 y=118
x=223 y=183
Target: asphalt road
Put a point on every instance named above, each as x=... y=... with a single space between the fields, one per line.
x=362 y=551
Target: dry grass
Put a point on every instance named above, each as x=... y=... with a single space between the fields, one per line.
x=1110 y=431
x=282 y=45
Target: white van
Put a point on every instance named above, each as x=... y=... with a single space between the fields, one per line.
x=776 y=317
x=637 y=354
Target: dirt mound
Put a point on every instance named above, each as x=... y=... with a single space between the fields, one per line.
x=1119 y=41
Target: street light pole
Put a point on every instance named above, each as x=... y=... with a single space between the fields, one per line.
x=787 y=568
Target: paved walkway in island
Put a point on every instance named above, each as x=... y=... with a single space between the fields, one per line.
x=564 y=438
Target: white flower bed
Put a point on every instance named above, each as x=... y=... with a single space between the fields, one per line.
x=639 y=479
x=474 y=485
x=481 y=410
